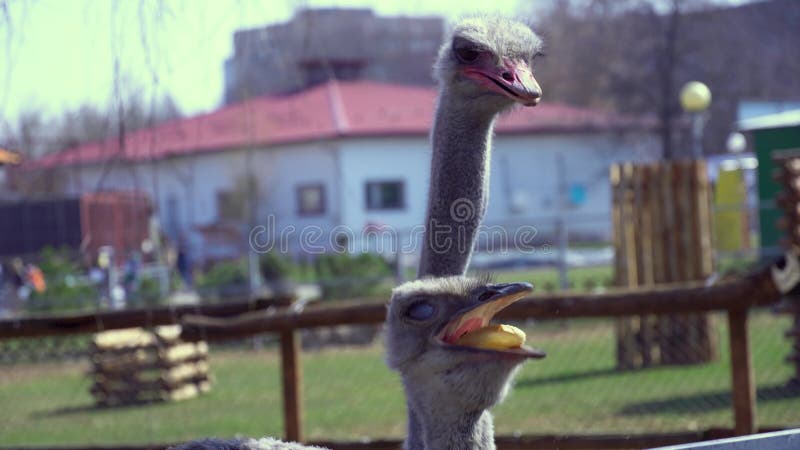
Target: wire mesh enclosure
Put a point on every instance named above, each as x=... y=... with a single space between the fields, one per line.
x=344 y=394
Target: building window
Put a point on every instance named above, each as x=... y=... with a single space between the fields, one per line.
x=385 y=194
x=230 y=205
x=310 y=199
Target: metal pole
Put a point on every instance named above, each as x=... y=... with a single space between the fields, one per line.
x=697 y=135
x=253 y=270
x=561 y=223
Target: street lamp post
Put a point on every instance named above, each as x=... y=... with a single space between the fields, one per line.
x=695 y=98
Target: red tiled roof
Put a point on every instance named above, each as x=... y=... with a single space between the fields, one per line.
x=334 y=109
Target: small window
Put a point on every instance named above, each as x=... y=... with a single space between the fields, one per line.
x=230 y=206
x=385 y=195
x=310 y=199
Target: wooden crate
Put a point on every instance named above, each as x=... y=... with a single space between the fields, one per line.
x=662 y=226
x=135 y=365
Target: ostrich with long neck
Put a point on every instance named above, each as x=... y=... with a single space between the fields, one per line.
x=483 y=69
x=454 y=365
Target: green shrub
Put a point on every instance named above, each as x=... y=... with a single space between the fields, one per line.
x=277 y=267
x=225 y=273
x=148 y=293
x=349 y=276
x=66 y=289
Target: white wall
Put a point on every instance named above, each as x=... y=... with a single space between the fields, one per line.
x=525 y=177
x=376 y=159
x=185 y=188
x=524 y=168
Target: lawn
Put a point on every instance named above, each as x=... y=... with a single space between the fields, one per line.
x=546 y=279
x=350 y=394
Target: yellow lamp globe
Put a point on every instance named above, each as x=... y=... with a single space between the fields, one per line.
x=695 y=96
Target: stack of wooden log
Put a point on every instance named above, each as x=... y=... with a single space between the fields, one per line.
x=787 y=175
x=662 y=229
x=136 y=365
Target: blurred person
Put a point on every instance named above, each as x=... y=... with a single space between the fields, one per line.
x=130 y=278
x=184 y=265
x=5 y=292
x=36 y=278
x=20 y=279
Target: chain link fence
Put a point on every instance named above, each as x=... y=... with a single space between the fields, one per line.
x=349 y=394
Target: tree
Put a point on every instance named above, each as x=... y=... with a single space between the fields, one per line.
x=632 y=56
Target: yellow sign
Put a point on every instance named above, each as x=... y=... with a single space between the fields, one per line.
x=730 y=197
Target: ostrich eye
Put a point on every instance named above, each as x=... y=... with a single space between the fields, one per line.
x=420 y=311
x=466 y=54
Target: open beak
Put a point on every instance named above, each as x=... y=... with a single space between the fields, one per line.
x=514 y=80
x=471 y=329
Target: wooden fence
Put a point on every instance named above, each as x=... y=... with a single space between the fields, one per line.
x=734 y=296
x=661 y=216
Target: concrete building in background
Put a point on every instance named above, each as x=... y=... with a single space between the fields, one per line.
x=351 y=158
x=317 y=45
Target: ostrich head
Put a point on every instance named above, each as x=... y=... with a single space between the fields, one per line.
x=489 y=62
x=426 y=323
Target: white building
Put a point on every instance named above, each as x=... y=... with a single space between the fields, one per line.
x=345 y=158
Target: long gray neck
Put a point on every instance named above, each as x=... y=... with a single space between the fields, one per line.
x=434 y=426
x=459 y=185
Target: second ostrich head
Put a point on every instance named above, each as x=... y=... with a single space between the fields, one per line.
x=450 y=384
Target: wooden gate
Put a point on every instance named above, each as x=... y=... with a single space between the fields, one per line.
x=662 y=234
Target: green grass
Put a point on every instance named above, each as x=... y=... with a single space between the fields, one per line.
x=545 y=279
x=349 y=394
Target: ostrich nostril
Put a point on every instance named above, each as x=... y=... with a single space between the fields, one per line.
x=486 y=296
x=508 y=76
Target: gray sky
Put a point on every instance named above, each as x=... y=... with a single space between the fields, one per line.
x=59 y=53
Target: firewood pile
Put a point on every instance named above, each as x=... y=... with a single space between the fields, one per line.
x=136 y=365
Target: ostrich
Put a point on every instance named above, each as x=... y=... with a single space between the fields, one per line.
x=454 y=365
x=483 y=69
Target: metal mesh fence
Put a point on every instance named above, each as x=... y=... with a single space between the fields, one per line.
x=349 y=393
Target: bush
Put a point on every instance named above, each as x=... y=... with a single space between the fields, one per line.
x=148 y=293
x=225 y=273
x=67 y=289
x=277 y=267
x=348 y=276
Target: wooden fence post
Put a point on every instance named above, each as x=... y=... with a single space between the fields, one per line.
x=292 y=380
x=743 y=388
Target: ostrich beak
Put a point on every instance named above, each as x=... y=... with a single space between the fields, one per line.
x=476 y=318
x=514 y=79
